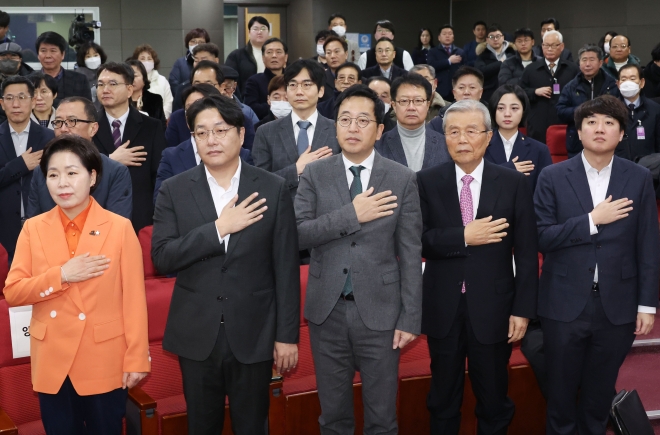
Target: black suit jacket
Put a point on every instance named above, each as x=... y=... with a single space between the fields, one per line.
x=256 y=92
x=375 y=71
x=144 y=131
x=254 y=284
x=72 y=84
x=15 y=179
x=647 y=115
x=492 y=292
x=153 y=105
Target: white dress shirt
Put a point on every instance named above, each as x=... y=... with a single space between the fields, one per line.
x=475 y=185
x=508 y=144
x=20 y=146
x=310 y=130
x=221 y=197
x=256 y=52
x=408 y=63
x=598 y=184
x=553 y=69
x=365 y=174
x=122 y=118
x=198 y=158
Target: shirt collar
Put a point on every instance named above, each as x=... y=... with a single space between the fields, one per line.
x=477 y=174
x=59 y=74
x=26 y=131
x=547 y=62
x=122 y=118
x=312 y=118
x=588 y=167
x=636 y=102
x=234 y=179
x=78 y=221
x=368 y=163
x=511 y=141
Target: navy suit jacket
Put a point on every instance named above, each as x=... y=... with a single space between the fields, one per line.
x=177 y=130
x=180 y=158
x=114 y=191
x=627 y=251
x=444 y=71
x=525 y=148
x=256 y=92
x=435 y=150
x=15 y=179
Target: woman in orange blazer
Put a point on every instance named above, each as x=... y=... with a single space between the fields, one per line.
x=80 y=266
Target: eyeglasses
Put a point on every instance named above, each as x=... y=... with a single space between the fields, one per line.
x=197 y=41
x=387 y=50
x=495 y=37
x=406 y=101
x=616 y=47
x=306 y=85
x=70 y=122
x=553 y=46
x=361 y=121
x=112 y=85
x=45 y=93
x=21 y=98
x=218 y=133
x=463 y=88
x=196 y=82
x=259 y=29
x=346 y=79
x=383 y=31
x=471 y=134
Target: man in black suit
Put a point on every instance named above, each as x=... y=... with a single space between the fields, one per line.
x=21 y=143
x=475 y=214
x=598 y=231
x=51 y=49
x=229 y=231
x=446 y=58
x=129 y=137
x=275 y=54
x=385 y=52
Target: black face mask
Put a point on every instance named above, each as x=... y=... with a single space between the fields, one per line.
x=9 y=67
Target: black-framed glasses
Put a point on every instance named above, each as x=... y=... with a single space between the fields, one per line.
x=204 y=135
x=361 y=121
x=70 y=123
x=406 y=101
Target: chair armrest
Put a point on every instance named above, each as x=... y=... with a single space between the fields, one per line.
x=7 y=426
x=141 y=399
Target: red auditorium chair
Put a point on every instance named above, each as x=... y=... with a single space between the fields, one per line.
x=4 y=267
x=556 y=138
x=523 y=130
x=144 y=236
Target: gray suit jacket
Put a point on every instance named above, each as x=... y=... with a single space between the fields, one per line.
x=275 y=148
x=388 y=292
x=435 y=149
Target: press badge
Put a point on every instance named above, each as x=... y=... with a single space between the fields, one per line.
x=555 y=89
x=640 y=132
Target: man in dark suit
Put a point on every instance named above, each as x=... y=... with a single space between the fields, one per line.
x=21 y=142
x=546 y=26
x=128 y=137
x=475 y=215
x=385 y=52
x=275 y=54
x=358 y=213
x=229 y=232
x=598 y=231
x=347 y=75
x=446 y=58
x=286 y=145
x=411 y=143
x=51 y=48
x=336 y=55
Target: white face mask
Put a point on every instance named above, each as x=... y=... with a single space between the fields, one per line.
x=148 y=65
x=387 y=107
x=280 y=108
x=606 y=46
x=319 y=50
x=93 y=62
x=629 y=89
x=339 y=30
x=190 y=47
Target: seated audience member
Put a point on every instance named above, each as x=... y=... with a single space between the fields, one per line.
x=446 y=58
x=385 y=52
x=336 y=53
x=509 y=147
x=77 y=115
x=157 y=83
x=228 y=89
x=604 y=43
x=347 y=75
x=512 y=68
x=89 y=57
x=248 y=60
x=424 y=44
x=45 y=92
x=381 y=86
x=490 y=56
x=547 y=26
x=275 y=55
x=411 y=143
x=12 y=55
x=479 y=30
x=643 y=128
x=467 y=84
x=652 y=74
x=619 y=55
x=437 y=102
x=320 y=51
x=51 y=48
x=337 y=24
x=143 y=100
x=279 y=106
x=385 y=29
x=182 y=68
x=591 y=82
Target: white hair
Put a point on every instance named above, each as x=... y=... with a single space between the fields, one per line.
x=554 y=32
x=463 y=106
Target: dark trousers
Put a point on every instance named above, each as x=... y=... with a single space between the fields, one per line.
x=340 y=346
x=68 y=413
x=487 y=366
x=583 y=355
x=532 y=347
x=207 y=383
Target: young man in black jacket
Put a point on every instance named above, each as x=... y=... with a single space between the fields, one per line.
x=490 y=56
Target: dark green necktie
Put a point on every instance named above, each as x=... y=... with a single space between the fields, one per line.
x=356 y=189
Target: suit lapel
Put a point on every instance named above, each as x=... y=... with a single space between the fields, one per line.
x=577 y=177
x=322 y=132
x=187 y=155
x=339 y=176
x=133 y=124
x=6 y=143
x=104 y=135
x=394 y=144
x=247 y=186
x=34 y=138
x=520 y=148
x=448 y=194
x=618 y=180
x=98 y=222
x=288 y=139
x=490 y=190
x=496 y=149
x=201 y=191
x=377 y=173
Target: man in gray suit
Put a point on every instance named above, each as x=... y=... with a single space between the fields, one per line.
x=278 y=146
x=411 y=143
x=359 y=215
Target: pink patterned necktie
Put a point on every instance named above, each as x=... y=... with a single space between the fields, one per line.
x=466 y=205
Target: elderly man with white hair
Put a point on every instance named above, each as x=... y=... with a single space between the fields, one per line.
x=543 y=81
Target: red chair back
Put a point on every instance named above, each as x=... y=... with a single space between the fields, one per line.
x=523 y=130
x=556 y=139
x=304 y=275
x=144 y=236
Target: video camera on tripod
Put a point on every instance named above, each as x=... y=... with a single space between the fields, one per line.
x=81 y=32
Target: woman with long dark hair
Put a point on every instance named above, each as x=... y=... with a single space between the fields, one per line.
x=424 y=44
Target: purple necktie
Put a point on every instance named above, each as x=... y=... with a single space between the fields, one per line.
x=116 y=133
x=466 y=205
x=448 y=50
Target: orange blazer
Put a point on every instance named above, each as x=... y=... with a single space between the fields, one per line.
x=92 y=331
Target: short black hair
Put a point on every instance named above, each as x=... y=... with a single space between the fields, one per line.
x=271 y=41
x=90 y=110
x=552 y=21
x=314 y=69
x=258 y=19
x=590 y=48
x=4 y=19
x=323 y=34
x=385 y=39
x=524 y=32
x=330 y=39
x=82 y=52
x=276 y=83
x=602 y=105
x=655 y=53
x=203 y=88
x=385 y=24
x=445 y=26
x=196 y=33
x=349 y=65
x=466 y=70
x=502 y=91
x=208 y=64
x=378 y=79
x=362 y=91
x=413 y=80
x=123 y=69
x=640 y=73
x=336 y=15
x=85 y=150
x=209 y=47
x=140 y=66
x=494 y=28
x=38 y=78
x=51 y=38
x=228 y=108
x=479 y=23
x=18 y=80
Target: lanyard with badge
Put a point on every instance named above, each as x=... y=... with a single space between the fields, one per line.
x=556 y=90
x=641 y=135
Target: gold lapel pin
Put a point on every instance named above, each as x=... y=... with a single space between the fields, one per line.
x=94 y=233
